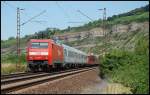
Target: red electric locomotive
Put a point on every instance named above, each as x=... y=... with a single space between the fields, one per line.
x=43 y=54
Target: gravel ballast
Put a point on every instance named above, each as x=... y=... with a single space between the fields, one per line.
x=69 y=85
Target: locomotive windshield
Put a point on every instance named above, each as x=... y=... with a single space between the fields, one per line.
x=39 y=45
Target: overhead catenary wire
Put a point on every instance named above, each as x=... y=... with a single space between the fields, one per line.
x=14 y=7
x=40 y=22
x=10 y=5
x=90 y=20
x=63 y=10
x=85 y=15
x=33 y=17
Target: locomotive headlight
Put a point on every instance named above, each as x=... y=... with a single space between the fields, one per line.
x=32 y=53
x=38 y=53
x=44 y=53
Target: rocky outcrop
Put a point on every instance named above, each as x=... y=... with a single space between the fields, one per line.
x=118 y=28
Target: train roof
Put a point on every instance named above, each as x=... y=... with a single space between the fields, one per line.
x=43 y=40
x=70 y=48
x=73 y=49
x=57 y=42
x=40 y=40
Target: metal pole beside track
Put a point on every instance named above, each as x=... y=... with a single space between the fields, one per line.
x=104 y=31
x=18 y=39
x=18 y=30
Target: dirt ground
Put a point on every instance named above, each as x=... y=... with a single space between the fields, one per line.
x=83 y=83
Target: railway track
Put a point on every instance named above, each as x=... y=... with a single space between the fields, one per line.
x=9 y=84
x=15 y=75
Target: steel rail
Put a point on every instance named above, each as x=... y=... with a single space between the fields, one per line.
x=12 y=86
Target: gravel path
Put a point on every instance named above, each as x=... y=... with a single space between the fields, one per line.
x=95 y=88
x=69 y=85
x=106 y=88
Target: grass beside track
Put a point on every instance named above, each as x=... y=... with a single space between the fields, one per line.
x=8 y=68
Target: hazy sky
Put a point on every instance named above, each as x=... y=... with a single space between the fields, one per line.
x=58 y=14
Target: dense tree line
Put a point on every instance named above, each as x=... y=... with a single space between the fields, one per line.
x=133 y=12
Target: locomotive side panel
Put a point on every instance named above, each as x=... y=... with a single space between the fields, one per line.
x=57 y=53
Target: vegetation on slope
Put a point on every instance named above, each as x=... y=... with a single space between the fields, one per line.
x=129 y=67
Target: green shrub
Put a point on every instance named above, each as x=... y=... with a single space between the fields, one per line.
x=13 y=58
x=129 y=68
x=8 y=68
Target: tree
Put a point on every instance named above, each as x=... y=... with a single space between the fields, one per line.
x=11 y=38
x=51 y=33
x=68 y=29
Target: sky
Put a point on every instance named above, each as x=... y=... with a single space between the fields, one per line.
x=58 y=14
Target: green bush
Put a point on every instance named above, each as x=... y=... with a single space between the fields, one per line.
x=13 y=58
x=129 y=68
x=11 y=68
x=142 y=46
x=8 y=43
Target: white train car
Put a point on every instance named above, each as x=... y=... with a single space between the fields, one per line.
x=74 y=56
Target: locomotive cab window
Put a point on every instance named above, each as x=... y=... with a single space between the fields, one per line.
x=39 y=45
